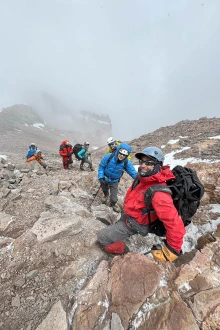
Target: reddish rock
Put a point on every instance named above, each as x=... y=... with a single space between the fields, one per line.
x=133 y=279
x=205 y=302
x=172 y=315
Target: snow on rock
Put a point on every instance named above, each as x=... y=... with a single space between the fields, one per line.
x=173 y=141
x=215 y=137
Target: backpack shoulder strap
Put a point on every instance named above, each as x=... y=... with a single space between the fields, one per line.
x=150 y=192
x=110 y=158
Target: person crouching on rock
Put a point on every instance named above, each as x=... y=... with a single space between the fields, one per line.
x=136 y=218
x=66 y=151
x=38 y=157
x=111 y=169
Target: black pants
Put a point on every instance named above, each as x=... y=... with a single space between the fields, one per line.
x=113 y=187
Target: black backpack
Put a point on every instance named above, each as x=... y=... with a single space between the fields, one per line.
x=76 y=149
x=186 y=191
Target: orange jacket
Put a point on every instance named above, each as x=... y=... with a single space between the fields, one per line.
x=35 y=157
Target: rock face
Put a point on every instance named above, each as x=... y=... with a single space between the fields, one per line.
x=54 y=276
x=199 y=135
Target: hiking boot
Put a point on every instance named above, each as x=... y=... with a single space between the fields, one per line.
x=92 y=169
x=116 y=208
x=81 y=168
x=104 y=199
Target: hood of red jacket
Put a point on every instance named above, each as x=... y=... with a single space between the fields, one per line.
x=165 y=174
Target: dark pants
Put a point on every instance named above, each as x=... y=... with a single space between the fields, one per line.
x=86 y=160
x=113 y=187
x=119 y=231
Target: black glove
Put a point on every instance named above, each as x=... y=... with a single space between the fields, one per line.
x=69 y=154
x=165 y=253
x=102 y=180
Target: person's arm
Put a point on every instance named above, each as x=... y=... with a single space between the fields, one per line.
x=163 y=205
x=63 y=152
x=102 y=166
x=31 y=158
x=130 y=169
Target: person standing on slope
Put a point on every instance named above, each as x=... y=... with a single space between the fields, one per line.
x=83 y=155
x=112 y=146
x=135 y=218
x=66 y=151
x=111 y=169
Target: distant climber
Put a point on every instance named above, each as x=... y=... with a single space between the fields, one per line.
x=110 y=170
x=38 y=157
x=112 y=145
x=83 y=154
x=31 y=150
x=66 y=151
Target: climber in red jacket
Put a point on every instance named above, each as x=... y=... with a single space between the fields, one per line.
x=135 y=217
x=66 y=151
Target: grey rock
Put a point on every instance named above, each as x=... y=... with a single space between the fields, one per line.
x=15 y=302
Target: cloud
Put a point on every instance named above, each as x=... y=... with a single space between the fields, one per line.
x=147 y=64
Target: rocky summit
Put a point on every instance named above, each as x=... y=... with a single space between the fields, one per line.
x=54 y=276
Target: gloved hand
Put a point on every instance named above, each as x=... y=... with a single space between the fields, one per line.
x=69 y=154
x=102 y=180
x=165 y=253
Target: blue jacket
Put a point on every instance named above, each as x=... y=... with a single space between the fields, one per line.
x=113 y=170
x=83 y=153
x=30 y=153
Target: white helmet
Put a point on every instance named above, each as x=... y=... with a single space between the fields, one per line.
x=110 y=140
x=123 y=152
x=32 y=144
x=38 y=151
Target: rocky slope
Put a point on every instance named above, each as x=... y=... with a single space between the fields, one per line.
x=54 y=276
x=20 y=125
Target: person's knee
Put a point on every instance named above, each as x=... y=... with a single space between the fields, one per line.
x=103 y=238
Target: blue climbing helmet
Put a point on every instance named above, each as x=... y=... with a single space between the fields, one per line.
x=152 y=152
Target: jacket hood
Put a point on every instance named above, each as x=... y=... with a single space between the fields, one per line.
x=164 y=175
x=64 y=142
x=123 y=146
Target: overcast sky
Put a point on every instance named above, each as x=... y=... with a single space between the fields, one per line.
x=147 y=63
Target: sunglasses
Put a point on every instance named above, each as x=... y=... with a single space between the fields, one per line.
x=122 y=154
x=111 y=144
x=146 y=162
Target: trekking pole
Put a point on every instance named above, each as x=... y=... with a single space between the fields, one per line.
x=94 y=197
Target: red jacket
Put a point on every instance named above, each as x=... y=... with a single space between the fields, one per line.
x=162 y=204
x=65 y=149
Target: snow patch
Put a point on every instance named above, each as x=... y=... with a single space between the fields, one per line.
x=169 y=159
x=106 y=305
x=215 y=137
x=163 y=146
x=3 y=156
x=38 y=125
x=173 y=141
x=194 y=232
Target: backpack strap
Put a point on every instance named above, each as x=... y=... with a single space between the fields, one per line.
x=150 y=192
x=125 y=161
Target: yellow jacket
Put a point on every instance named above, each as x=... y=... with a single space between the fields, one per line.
x=109 y=150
